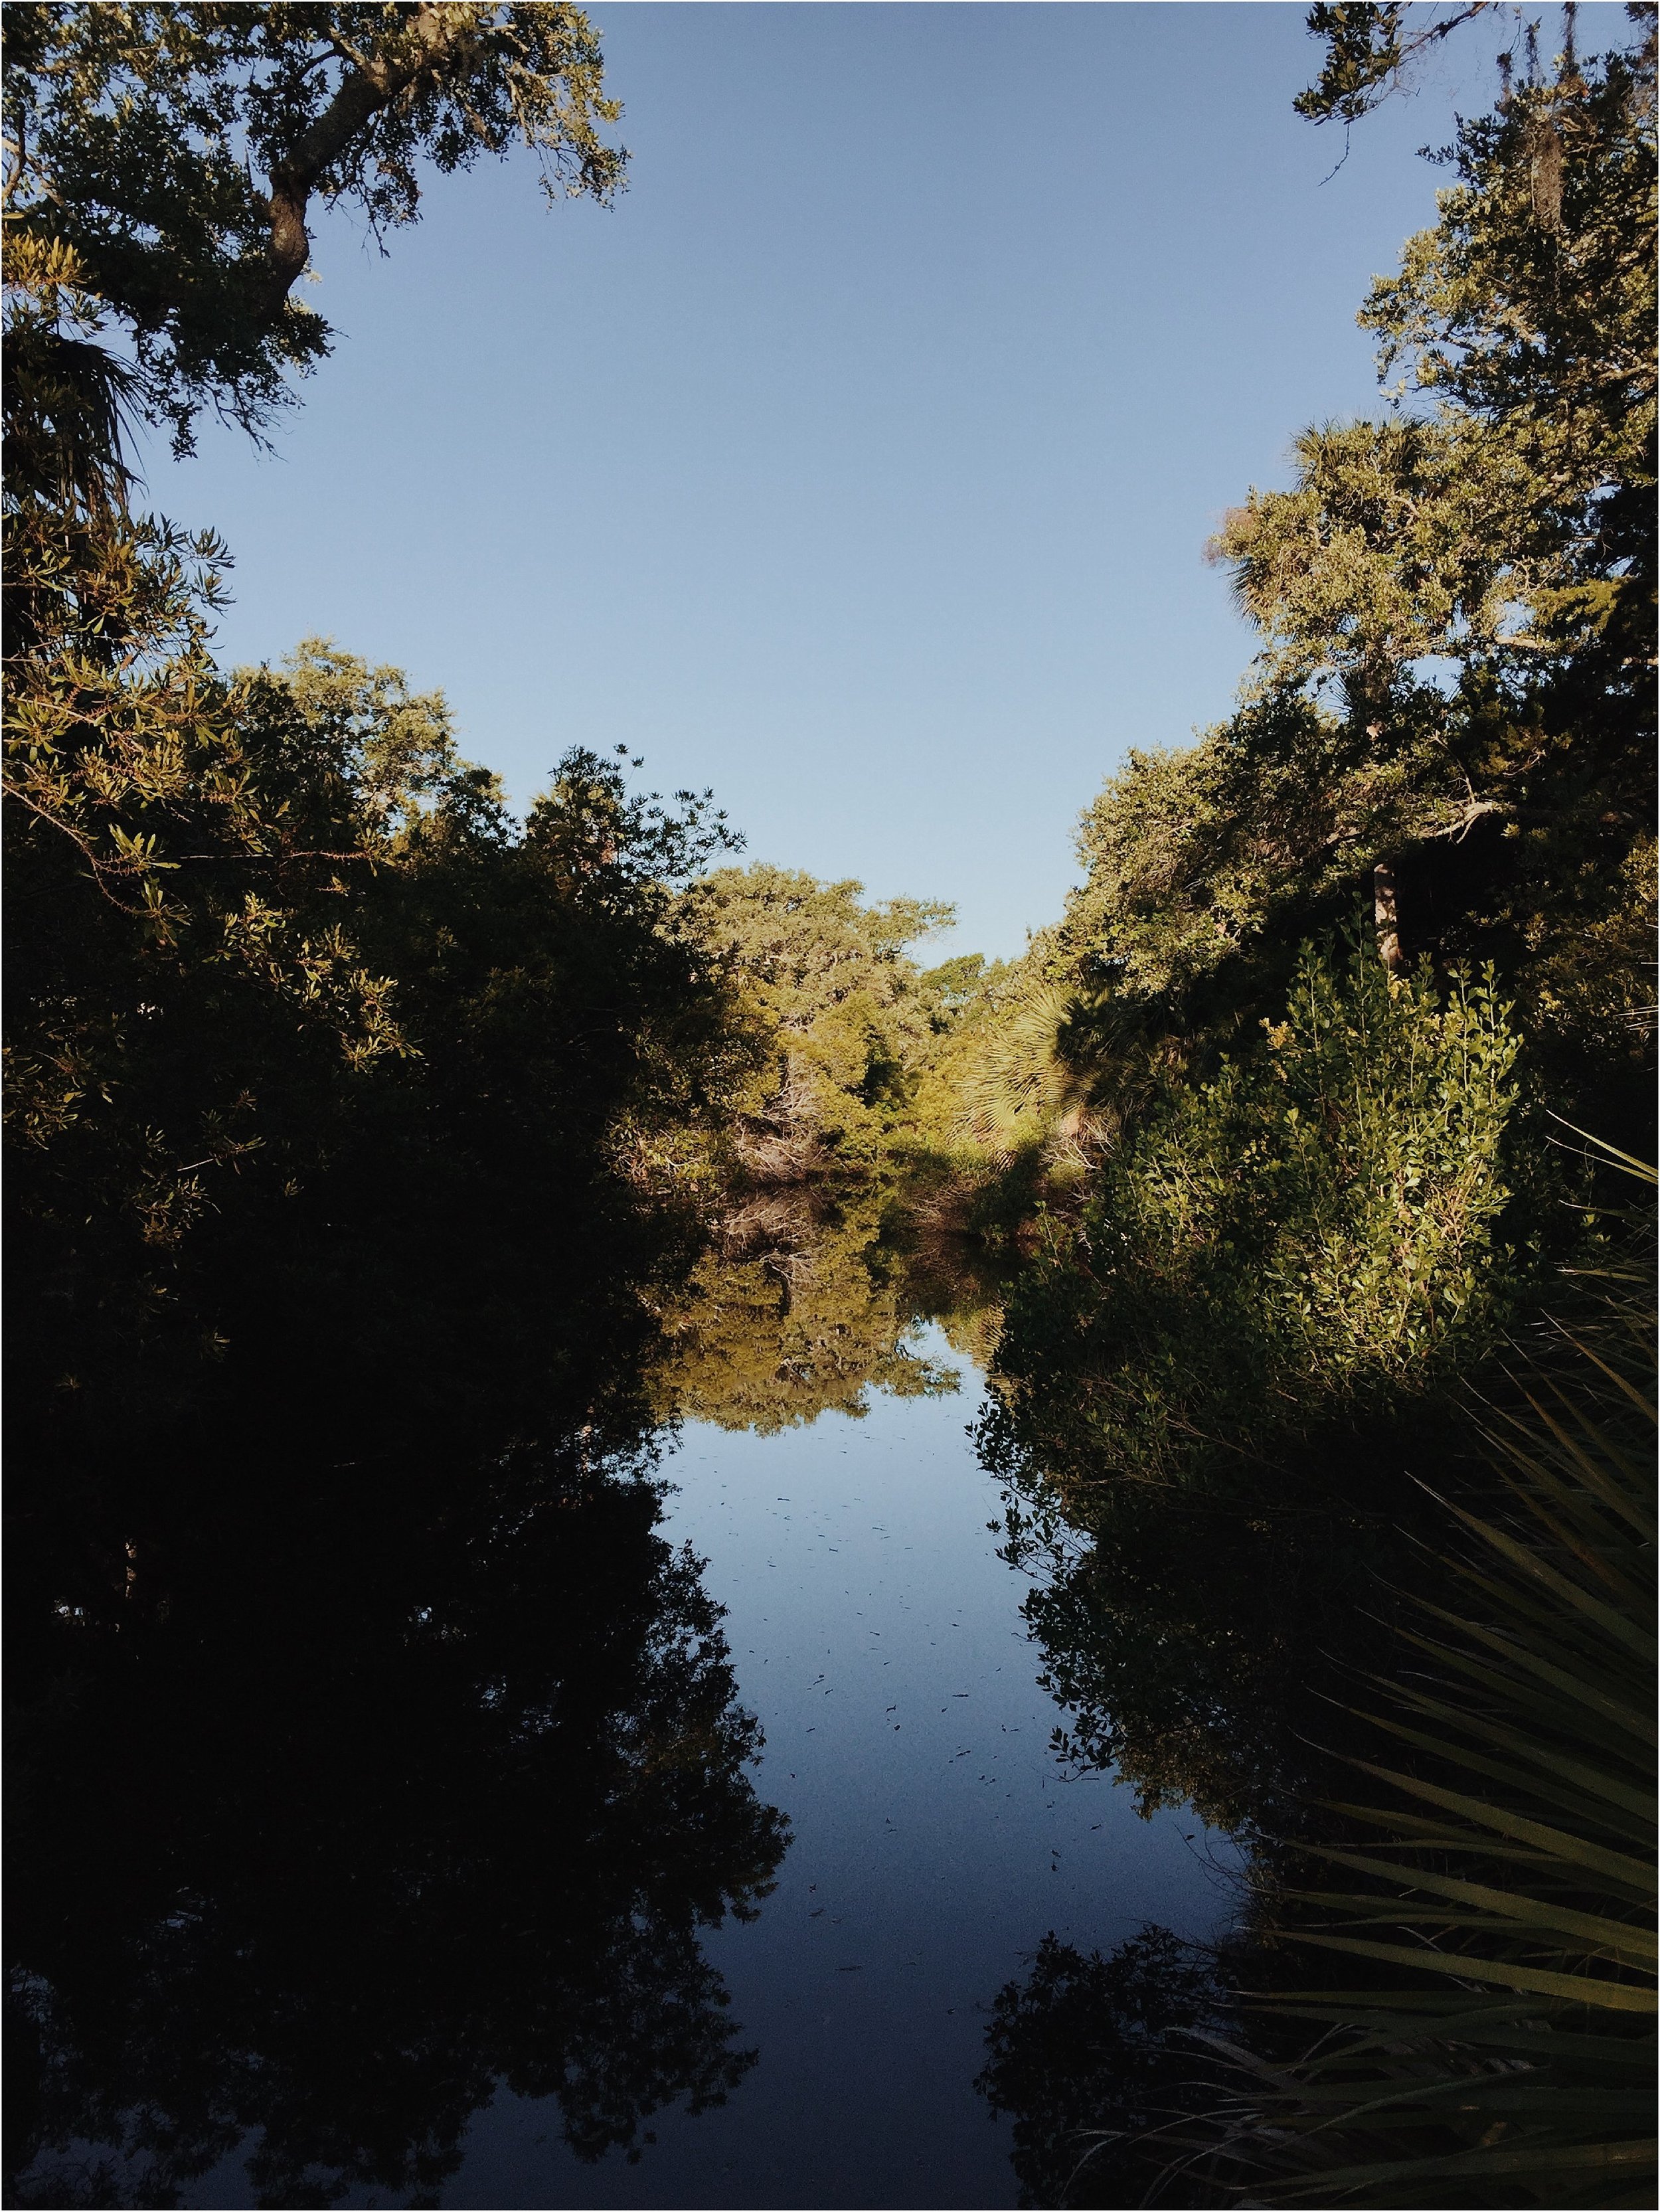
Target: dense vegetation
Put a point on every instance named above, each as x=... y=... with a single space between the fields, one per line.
x=331 y=1498
x=1325 y=1406
x=1441 y=1750
x=439 y=1157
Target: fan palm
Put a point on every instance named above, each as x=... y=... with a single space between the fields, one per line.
x=1503 y=1883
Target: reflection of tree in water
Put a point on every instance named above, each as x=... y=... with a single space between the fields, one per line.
x=1192 y=1641
x=1089 y=2055
x=373 y=1749
x=351 y=1810
x=800 y=1309
x=1206 y=1643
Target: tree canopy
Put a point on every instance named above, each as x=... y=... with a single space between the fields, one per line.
x=1451 y=714
x=829 y=980
x=165 y=161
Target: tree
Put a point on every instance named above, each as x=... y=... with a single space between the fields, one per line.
x=829 y=980
x=1314 y=1236
x=1281 y=1283
x=195 y=860
x=1370 y=51
x=134 y=134
x=381 y=1053
x=1451 y=714
x=204 y=1052
x=130 y=201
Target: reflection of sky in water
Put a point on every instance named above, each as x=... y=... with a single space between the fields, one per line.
x=878 y=1636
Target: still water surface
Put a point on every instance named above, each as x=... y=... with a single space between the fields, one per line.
x=879 y=1637
x=402 y=1843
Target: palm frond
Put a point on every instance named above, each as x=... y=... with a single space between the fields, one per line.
x=1505 y=1874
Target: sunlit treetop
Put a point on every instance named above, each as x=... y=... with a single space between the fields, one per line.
x=174 y=154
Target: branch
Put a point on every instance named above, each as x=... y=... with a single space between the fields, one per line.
x=1356 y=67
x=372 y=83
x=15 y=148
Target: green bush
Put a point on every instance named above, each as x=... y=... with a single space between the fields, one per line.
x=1324 y=1228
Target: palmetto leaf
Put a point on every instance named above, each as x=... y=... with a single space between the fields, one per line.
x=1504 y=1898
x=1601 y=1932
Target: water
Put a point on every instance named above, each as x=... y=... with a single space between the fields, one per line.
x=879 y=1637
x=403 y=1840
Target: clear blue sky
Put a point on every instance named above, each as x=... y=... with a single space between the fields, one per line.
x=859 y=463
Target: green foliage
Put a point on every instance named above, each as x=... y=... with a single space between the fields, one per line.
x=1371 y=52
x=1207 y=1384
x=360 y=977
x=1015 y=1086
x=1469 y=1833
x=1314 y=1233
x=139 y=136
x=275 y=945
x=1285 y=1269
x=411 y=1636
x=1026 y=1082
x=791 y=1315
x=328 y=1080
x=1504 y=2050
x=1457 y=609
x=178 y=908
x=1509 y=530
x=391 y=753
x=845 y=1018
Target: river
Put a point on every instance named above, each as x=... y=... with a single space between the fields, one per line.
x=431 y=1856
x=879 y=1637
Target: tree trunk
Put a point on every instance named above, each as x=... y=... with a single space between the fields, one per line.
x=437 y=43
x=1386 y=919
